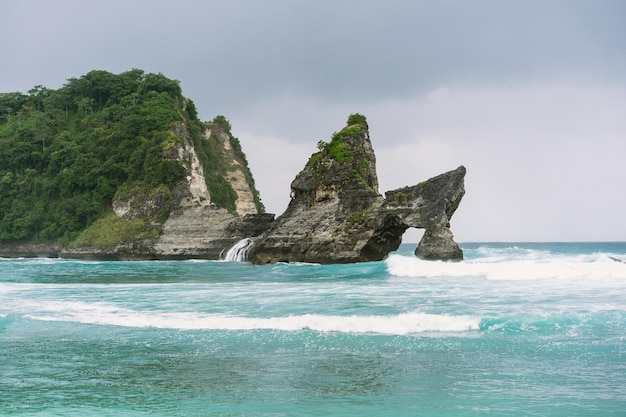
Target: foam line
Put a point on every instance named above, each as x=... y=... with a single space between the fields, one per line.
x=400 y=324
x=572 y=267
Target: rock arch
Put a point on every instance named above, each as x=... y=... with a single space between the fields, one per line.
x=430 y=205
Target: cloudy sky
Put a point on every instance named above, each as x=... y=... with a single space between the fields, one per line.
x=529 y=95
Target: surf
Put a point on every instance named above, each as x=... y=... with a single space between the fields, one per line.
x=517 y=267
x=396 y=324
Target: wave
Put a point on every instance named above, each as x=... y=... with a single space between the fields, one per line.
x=598 y=266
x=607 y=323
x=399 y=324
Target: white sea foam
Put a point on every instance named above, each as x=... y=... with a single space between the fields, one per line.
x=399 y=324
x=239 y=251
x=530 y=268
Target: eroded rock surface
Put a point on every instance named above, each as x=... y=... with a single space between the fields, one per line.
x=430 y=205
x=336 y=214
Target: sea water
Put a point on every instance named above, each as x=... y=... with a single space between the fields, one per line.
x=514 y=329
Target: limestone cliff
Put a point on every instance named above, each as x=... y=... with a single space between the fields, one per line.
x=336 y=214
x=195 y=225
x=120 y=166
x=200 y=228
x=236 y=171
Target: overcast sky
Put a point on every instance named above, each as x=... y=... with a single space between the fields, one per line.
x=529 y=95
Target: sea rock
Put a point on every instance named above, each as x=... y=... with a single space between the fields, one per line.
x=336 y=214
x=430 y=205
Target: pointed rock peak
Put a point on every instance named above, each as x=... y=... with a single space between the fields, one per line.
x=352 y=146
x=337 y=216
x=344 y=164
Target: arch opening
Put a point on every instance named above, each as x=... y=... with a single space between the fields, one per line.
x=412 y=236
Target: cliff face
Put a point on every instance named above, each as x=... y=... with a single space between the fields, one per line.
x=336 y=190
x=336 y=214
x=236 y=171
x=199 y=228
x=430 y=205
x=196 y=227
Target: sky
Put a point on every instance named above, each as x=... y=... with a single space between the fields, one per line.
x=530 y=96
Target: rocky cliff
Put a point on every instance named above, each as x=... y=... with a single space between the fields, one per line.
x=120 y=167
x=198 y=228
x=195 y=226
x=336 y=214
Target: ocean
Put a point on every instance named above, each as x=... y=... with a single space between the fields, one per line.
x=516 y=329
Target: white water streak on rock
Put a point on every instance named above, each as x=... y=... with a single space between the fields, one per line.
x=239 y=251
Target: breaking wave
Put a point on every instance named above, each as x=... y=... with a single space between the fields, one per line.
x=530 y=267
x=400 y=324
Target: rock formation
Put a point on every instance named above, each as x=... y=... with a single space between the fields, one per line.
x=196 y=227
x=124 y=169
x=336 y=214
x=430 y=205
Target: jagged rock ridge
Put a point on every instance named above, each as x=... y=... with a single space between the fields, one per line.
x=336 y=214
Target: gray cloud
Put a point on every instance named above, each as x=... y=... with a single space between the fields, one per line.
x=229 y=55
x=519 y=91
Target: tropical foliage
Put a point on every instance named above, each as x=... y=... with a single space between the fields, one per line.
x=336 y=148
x=65 y=153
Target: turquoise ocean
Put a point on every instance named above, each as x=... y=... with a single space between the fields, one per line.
x=516 y=329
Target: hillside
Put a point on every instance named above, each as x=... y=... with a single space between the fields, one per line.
x=106 y=159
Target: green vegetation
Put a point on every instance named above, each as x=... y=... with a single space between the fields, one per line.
x=65 y=153
x=361 y=173
x=358 y=216
x=314 y=158
x=110 y=230
x=356 y=119
x=336 y=148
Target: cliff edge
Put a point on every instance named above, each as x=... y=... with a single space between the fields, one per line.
x=197 y=223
